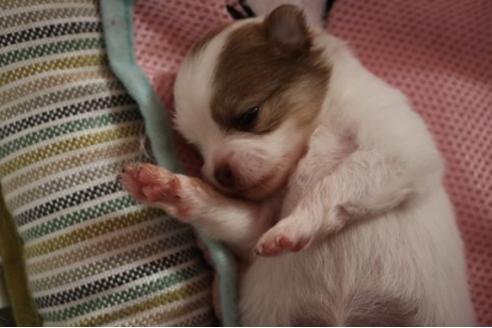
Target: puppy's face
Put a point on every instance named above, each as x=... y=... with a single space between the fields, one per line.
x=248 y=97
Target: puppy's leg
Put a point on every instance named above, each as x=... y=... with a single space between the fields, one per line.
x=234 y=222
x=364 y=185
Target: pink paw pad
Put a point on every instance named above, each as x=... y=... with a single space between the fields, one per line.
x=150 y=183
x=153 y=193
x=281 y=244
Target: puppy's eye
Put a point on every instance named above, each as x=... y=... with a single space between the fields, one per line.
x=247 y=120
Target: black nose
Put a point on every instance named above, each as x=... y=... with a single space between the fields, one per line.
x=223 y=175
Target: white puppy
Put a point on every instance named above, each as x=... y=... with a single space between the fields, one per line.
x=320 y=177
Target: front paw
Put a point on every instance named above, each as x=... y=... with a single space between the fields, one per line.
x=286 y=236
x=157 y=187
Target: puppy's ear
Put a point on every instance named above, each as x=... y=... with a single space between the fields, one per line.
x=286 y=27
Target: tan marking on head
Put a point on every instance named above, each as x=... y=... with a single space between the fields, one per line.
x=270 y=64
x=203 y=42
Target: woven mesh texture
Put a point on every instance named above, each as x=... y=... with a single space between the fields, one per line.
x=94 y=256
x=439 y=53
x=164 y=31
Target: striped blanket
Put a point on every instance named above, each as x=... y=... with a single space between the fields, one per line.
x=67 y=126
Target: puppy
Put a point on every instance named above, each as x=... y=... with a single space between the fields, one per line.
x=318 y=175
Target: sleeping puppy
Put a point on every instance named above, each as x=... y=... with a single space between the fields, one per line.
x=318 y=175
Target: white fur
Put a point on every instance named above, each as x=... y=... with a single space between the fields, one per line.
x=369 y=193
x=395 y=155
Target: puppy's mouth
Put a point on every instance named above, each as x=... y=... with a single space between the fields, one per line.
x=258 y=190
x=261 y=189
x=274 y=181
x=271 y=183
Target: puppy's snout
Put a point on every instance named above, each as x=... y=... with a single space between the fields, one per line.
x=224 y=175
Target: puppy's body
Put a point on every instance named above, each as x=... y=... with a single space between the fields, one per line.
x=357 y=186
x=402 y=267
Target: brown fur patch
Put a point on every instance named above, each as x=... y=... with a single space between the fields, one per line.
x=203 y=42
x=371 y=310
x=286 y=26
x=311 y=318
x=254 y=71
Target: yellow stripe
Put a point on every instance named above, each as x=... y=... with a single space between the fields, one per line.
x=11 y=4
x=85 y=251
x=162 y=317
x=54 y=65
x=39 y=87
x=173 y=296
x=92 y=231
x=77 y=160
x=65 y=146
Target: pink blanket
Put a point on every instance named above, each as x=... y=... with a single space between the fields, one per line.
x=438 y=52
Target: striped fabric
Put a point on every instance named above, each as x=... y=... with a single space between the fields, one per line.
x=67 y=126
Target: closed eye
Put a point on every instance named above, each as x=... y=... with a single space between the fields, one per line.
x=247 y=120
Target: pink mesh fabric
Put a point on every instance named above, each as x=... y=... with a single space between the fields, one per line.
x=164 y=31
x=438 y=52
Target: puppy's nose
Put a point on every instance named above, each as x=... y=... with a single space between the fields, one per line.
x=223 y=174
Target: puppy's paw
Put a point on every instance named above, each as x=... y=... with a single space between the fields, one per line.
x=148 y=183
x=285 y=236
x=157 y=187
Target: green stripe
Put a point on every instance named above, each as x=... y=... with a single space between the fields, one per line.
x=92 y=231
x=80 y=253
x=48 y=49
x=184 y=292
x=144 y=252
x=52 y=132
x=64 y=221
x=131 y=294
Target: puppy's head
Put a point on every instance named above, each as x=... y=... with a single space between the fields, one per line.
x=248 y=97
